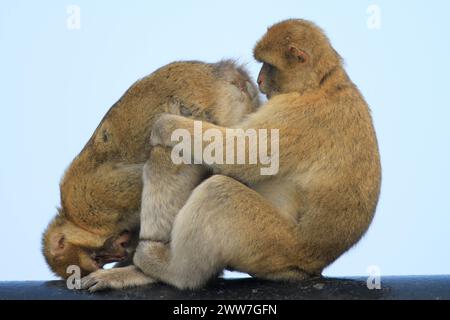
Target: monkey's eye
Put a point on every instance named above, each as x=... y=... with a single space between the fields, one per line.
x=185 y=111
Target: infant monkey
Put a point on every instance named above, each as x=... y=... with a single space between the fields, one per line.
x=101 y=190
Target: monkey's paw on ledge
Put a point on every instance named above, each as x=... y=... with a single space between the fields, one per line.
x=390 y=287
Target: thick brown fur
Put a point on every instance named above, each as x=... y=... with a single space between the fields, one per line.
x=101 y=189
x=291 y=225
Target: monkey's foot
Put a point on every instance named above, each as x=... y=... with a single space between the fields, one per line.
x=117 y=278
x=152 y=257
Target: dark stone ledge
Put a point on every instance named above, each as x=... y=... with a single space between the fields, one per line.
x=392 y=287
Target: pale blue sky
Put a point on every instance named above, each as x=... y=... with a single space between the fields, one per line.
x=56 y=84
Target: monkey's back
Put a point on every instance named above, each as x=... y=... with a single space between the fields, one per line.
x=339 y=199
x=123 y=133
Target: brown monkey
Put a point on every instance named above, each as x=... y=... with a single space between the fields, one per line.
x=101 y=190
x=291 y=225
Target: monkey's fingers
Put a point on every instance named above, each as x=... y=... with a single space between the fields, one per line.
x=162 y=129
x=157 y=128
x=94 y=283
x=155 y=139
x=120 y=278
x=87 y=282
x=99 y=286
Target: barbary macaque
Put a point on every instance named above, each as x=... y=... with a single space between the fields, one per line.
x=291 y=225
x=98 y=221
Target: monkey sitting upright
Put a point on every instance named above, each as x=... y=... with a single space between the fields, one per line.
x=101 y=190
x=291 y=225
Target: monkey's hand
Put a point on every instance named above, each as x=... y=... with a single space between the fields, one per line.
x=117 y=278
x=163 y=127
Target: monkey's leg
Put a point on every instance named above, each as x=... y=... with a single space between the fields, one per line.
x=224 y=223
x=117 y=278
x=166 y=189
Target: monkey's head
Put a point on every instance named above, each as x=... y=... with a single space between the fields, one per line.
x=64 y=244
x=221 y=93
x=296 y=57
x=236 y=89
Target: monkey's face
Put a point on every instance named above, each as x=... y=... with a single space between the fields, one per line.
x=115 y=249
x=63 y=250
x=268 y=79
x=276 y=79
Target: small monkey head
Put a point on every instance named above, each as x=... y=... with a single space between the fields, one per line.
x=221 y=93
x=64 y=244
x=296 y=56
x=237 y=94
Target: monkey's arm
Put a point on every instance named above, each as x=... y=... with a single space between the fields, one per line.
x=249 y=170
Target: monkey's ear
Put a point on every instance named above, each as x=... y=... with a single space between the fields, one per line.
x=57 y=244
x=299 y=54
